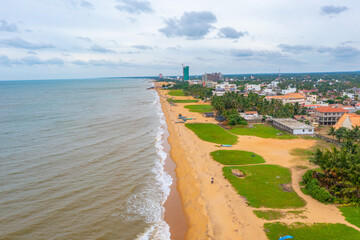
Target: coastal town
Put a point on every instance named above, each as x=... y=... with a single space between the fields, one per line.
x=265 y=156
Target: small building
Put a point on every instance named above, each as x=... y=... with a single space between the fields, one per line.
x=252 y=116
x=292 y=126
x=348 y=120
x=289 y=98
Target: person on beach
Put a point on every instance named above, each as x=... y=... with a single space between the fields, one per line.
x=212 y=180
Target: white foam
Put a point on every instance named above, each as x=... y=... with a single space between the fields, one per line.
x=149 y=207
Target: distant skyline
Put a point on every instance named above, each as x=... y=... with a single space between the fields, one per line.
x=42 y=39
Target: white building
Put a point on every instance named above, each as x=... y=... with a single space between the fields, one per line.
x=221 y=89
x=253 y=87
x=274 y=84
x=350 y=95
x=289 y=90
x=292 y=126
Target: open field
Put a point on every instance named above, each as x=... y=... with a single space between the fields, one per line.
x=176 y=93
x=352 y=215
x=261 y=130
x=211 y=133
x=199 y=108
x=182 y=101
x=265 y=186
x=236 y=157
x=318 y=231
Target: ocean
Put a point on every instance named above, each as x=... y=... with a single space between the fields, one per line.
x=82 y=159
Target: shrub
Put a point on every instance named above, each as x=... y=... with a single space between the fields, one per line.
x=313 y=188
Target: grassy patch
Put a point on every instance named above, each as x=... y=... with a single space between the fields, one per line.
x=263 y=186
x=351 y=214
x=212 y=133
x=199 y=108
x=269 y=214
x=302 y=167
x=261 y=130
x=176 y=93
x=318 y=231
x=236 y=157
x=303 y=153
x=182 y=101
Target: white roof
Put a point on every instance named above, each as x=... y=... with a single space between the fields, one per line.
x=292 y=123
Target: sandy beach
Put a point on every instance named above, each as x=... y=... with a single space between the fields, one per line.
x=217 y=211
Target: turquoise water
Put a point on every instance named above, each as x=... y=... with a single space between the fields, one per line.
x=81 y=159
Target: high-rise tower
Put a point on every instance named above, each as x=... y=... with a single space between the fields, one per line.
x=186 y=73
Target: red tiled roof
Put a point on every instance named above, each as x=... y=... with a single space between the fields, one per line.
x=330 y=109
x=251 y=112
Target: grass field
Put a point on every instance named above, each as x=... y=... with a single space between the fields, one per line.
x=176 y=93
x=182 y=101
x=261 y=130
x=352 y=215
x=211 y=133
x=199 y=108
x=236 y=157
x=318 y=231
x=262 y=186
x=269 y=214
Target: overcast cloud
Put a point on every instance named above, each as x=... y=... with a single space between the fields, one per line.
x=87 y=38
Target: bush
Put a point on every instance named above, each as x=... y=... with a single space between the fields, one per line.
x=313 y=188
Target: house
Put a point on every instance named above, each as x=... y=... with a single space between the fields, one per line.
x=289 y=90
x=292 y=126
x=348 y=120
x=252 y=116
x=253 y=87
x=327 y=116
x=289 y=98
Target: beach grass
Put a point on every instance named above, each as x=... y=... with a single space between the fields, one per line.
x=269 y=214
x=265 y=186
x=182 y=101
x=199 y=108
x=236 y=157
x=263 y=131
x=351 y=214
x=212 y=133
x=318 y=231
x=176 y=93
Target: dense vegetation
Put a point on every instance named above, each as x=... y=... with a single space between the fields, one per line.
x=339 y=178
x=197 y=91
x=344 y=134
x=255 y=102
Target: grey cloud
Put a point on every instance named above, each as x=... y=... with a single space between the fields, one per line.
x=134 y=6
x=343 y=52
x=333 y=10
x=85 y=39
x=7 y=27
x=242 y=52
x=86 y=4
x=295 y=48
x=29 y=61
x=102 y=63
x=229 y=32
x=20 y=43
x=192 y=25
x=142 y=47
x=31 y=52
x=98 y=48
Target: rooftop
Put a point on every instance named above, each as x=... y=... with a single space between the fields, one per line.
x=292 y=123
x=330 y=109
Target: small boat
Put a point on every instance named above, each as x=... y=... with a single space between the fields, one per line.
x=179 y=122
x=225 y=145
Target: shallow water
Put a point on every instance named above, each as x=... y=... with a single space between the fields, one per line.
x=81 y=159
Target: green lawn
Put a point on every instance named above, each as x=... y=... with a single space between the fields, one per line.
x=262 y=186
x=199 y=108
x=176 y=93
x=269 y=214
x=236 y=157
x=352 y=215
x=318 y=231
x=261 y=130
x=212 y=133
x=182 y=101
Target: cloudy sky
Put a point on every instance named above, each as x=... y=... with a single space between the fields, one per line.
x=42 y=39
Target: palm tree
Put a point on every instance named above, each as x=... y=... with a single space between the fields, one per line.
x=332 y=132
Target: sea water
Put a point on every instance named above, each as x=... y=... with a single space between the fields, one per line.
x=82 y=159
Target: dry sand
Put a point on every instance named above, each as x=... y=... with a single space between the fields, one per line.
x=216 y=211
